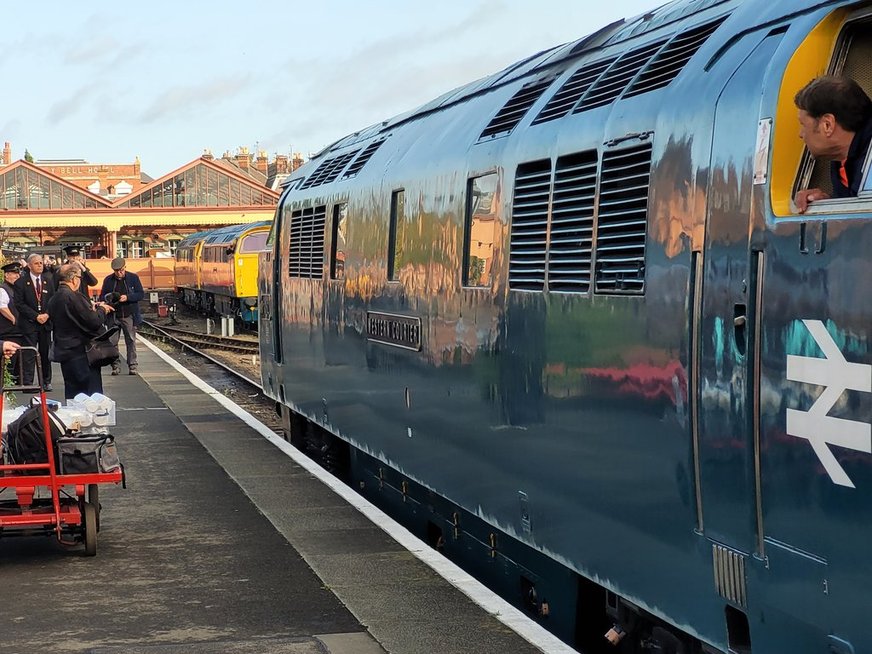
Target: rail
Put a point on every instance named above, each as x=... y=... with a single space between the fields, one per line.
x=185 y=342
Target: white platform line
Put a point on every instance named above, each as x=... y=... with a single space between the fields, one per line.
x=510 y=616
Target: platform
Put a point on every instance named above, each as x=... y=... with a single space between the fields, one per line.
x=222 y=543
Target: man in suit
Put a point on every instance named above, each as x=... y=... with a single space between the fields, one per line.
x=74 y=256
x=123 y=291
x=9 y=328
x=32 y=293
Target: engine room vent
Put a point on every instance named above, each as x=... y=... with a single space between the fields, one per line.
x=362 y=159
x=572 y=209
x=568 y=94
x=610 y=85
x=513 y=111
x=529 y=226
x=729 y=568
x=328 y=170
x=623 y=220
x=306 y=258
x=669 y=61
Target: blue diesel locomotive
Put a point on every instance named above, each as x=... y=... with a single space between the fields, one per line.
x=566 y=322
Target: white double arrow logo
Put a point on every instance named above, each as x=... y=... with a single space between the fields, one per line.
x=820 y=429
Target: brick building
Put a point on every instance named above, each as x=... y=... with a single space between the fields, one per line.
x=114 y=209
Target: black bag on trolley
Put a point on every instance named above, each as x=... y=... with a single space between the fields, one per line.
x=87 y=454
x=25 y=437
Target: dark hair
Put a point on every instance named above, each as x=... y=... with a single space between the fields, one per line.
x=840 y=96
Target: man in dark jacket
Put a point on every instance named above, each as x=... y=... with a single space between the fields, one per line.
x=835 y=119
x=9 y=328
x=123 y=290
x=75 y=324
x=74 y=256
x=32 y=293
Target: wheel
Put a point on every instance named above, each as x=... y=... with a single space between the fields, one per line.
x=89 y=527
x=94 y=498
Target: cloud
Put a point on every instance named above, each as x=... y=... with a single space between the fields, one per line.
x=69 y=106
x=92 y=50
x=182 y=100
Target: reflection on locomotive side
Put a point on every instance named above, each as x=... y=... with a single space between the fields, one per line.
x=546 y=320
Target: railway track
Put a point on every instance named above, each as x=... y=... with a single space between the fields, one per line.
x=190 y=341
x=240 y=345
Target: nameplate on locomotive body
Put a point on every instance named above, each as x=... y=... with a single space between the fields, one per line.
x=393 y=329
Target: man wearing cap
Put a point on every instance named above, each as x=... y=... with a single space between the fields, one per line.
x=74 y=256
x=9 y=328
x=33 y=290
x=123 y=290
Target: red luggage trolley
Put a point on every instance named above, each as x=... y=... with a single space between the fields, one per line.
x=46 y=501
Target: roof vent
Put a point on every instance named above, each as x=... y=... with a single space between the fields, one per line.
x=513 y=111
x=610 y=85
x=669 y=61
x=568 y=94
x=328 y=170
x=362 y=159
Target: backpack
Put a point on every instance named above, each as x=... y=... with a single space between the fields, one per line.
x=25 y=438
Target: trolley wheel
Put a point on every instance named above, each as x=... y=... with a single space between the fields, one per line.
x=89 y=527
x=94 y=499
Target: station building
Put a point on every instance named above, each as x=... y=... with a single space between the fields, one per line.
x=111 y=210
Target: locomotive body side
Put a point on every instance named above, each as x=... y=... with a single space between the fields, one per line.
x=580 y=355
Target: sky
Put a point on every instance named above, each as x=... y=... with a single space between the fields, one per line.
x=165 y=81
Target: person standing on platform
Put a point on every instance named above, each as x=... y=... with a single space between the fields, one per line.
x=74 y=256
x=75 y=324
x=123 y=290
x=32 y=293
x=9 y=328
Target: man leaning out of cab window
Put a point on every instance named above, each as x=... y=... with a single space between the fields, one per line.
x=835 y=122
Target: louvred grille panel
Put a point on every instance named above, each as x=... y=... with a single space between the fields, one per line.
x=529 y=226
x=623 y=220
x=306 y=258
x=572 y=211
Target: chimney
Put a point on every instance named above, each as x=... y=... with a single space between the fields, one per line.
x=262 y=163
x=242 y=159
x=7 y=154
x=281 y=164
x=297 y=162
x=207 y=154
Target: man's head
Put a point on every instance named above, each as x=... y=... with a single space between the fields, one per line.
x=119 y=265
x=35 y=263
x=11 y=272
x=831 y=110
x=73 y=253
x=71 y=275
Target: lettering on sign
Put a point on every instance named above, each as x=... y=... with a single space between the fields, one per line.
x=836 y=375
x=393 y=329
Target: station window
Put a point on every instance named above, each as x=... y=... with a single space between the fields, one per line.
x=397 y=229
x=337 y=247
x=482 y=229
x=173 y=244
